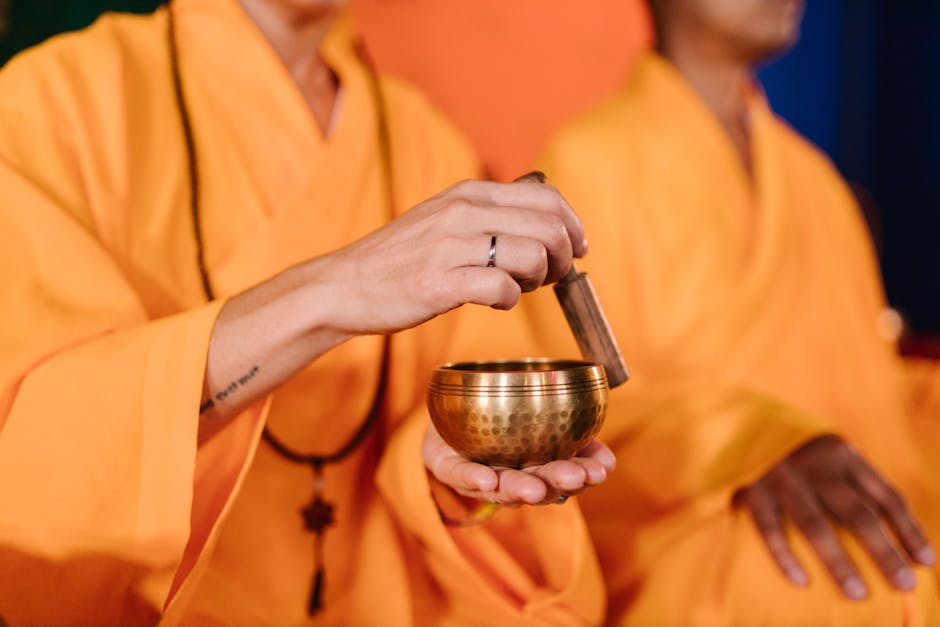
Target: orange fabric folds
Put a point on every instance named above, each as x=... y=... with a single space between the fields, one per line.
x=748 y=314
x=109 y=513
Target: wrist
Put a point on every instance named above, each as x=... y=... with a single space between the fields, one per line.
x=333 y=299
x=310 y=290
x=457 y=510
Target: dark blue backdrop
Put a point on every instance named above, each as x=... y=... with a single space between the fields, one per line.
x=864 y=84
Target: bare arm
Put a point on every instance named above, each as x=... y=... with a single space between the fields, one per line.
x=429 y=261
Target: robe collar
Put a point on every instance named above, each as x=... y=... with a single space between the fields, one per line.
x=232 y=77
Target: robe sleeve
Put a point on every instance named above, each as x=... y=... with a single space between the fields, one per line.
x=699 y=440
x=922 y=378
x=526 y=566
x=99 y=409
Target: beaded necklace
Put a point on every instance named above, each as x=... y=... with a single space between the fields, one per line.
x=318 y=515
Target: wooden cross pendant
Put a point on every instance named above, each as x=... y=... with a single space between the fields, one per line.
x=317 y=516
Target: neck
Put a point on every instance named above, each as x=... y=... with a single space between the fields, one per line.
x=718 y=78
x=296 y=36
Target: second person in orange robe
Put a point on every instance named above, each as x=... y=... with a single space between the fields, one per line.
x=771 y=464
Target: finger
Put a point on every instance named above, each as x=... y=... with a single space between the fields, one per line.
x=526 y=195
x=462 y=474
x=524 y=259
x=600 y=452
x=895 y=510
x=545 y=198
x=595 y=473
x=491 y=287
x=768 y=518
x=558 y=497
x=553 y=497
x=542 y=228
x=477 y=221
x=516 y=485
x=535 y=176
x=851 y=509
x=454 y=470
x=562 y=475
x=800 y=504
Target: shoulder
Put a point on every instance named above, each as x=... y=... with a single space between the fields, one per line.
x=596 y=159
x=602 y=126
x=419 y=127
x=412 y=110
x=807 y=164
x=65 y=105
x=798 y=145
x=611 y=143
x=82 y=78
x=85 y=60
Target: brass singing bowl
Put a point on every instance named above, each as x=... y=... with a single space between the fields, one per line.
x=518 y=413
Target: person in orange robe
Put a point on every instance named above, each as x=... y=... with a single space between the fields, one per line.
x=206 y=414
x=770 y=468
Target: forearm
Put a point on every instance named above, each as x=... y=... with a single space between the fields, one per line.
x=262 y=337
x=424 y=263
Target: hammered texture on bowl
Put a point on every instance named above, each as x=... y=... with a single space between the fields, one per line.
x=518 y=413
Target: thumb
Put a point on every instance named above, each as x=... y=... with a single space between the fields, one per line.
x=454 y=470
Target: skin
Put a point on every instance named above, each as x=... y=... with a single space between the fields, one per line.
x=825 y=483
x=422 y=264
x=715 y=44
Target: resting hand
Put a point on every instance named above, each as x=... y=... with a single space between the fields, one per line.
x=825 y=483
x=434 y=257
x=536 y=485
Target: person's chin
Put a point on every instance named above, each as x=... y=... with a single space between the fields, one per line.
x=768 y=49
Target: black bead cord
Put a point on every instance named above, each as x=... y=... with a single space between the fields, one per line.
x=318 y=514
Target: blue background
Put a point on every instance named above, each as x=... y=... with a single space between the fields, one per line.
x=864 y=84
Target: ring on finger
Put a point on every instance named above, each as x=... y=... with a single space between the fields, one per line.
x=561 y=499
x=491 y=262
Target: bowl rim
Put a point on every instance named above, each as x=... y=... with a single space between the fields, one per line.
x=471 y=366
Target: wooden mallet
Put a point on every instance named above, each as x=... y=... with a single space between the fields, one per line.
x=590 y=327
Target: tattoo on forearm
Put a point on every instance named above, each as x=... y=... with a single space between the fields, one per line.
x=209 y=403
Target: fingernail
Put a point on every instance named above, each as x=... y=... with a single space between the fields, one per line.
x=798 y=576
x=854 y=588
x=534 y=175
x=926 y=556
x=904 y=579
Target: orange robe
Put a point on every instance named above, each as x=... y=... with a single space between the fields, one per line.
x=109 y=512
x=749 y=316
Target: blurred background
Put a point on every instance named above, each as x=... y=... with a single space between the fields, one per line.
x=863 y=84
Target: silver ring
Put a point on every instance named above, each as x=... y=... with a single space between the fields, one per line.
x=492 y=260
x=561 y=499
